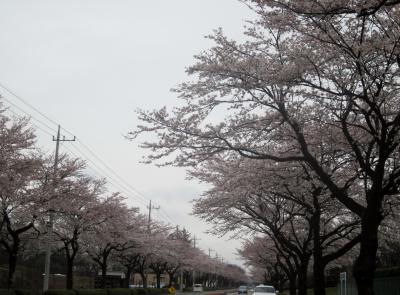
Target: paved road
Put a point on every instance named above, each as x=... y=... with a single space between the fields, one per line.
x=217 y=292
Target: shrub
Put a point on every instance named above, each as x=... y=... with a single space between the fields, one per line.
x=24 y=292
x=59 y=292
x=387 y=272
x=91 y=291
x=155 y=291
x=140 y=291
x=120 y=291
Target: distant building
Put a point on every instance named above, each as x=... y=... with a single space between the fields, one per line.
x=114 y=279
x=136 y=280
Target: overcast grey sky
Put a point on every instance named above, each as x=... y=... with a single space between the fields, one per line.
x=88 y=64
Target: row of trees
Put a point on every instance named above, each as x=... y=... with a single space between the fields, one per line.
x=297 y=130
x=90 y=224
x=298 y=219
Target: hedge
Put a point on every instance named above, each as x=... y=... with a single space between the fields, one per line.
x=156 y=291
x=387 y=272
x=139 y=291
x=16 y=292
x=119 y=291
x=116 y=291
x=91 y=292
x=59 y=292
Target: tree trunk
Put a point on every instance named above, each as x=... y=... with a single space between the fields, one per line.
x=144 y=279
x=302 y=277
x=318 y=266
x=158 y=277
x=12 y=261
x=70 y=262
x=292 y=285
x=128 y=274
x=365 y=264
x=319 y=278
x=70 y=280
x=171 y=278
x=103 y=274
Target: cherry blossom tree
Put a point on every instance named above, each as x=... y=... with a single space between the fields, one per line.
x=276 y=217
x=321 y=8
x=284 y=202
x=21 y=193
x=142 y=266
x=266 y=264
x=389 y=247
x=130 y=257
x=178 y=253
x=112 y=234
x=80 y=212
x=296 y=73
x=160 y=247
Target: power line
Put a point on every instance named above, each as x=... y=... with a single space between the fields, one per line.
x=109 y=178
x=139 y=198
x=165 y=214
x=126 y=184
x=112 y=171
x=102 y=173
x=28 y=114
x=28 y=104
x=122 y=183
x=36 y=126
x=139 y=194
x=118 y=182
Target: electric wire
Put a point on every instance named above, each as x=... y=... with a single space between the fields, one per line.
x=26 y=103
x=11 y=104
x=166 y=216
x=101 y=174
x=112 y=171
x=121 y=185
x=33 y=124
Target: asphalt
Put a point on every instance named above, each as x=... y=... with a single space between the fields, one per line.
x=217 y=292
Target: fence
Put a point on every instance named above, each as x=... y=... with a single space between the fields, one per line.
x=382 y=286
x=32 y=279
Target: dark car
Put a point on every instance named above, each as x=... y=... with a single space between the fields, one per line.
x=242 y=290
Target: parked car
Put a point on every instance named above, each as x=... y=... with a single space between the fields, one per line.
x=242 y=290
x=197 y=288
x=264 y=290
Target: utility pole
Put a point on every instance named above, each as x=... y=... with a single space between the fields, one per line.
x=150 y=207
x=180 y=263
x=194 y=241
x=51 y=217
x=209 y=252
x=194 y=272
x=216 y=270
x=181 y=281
